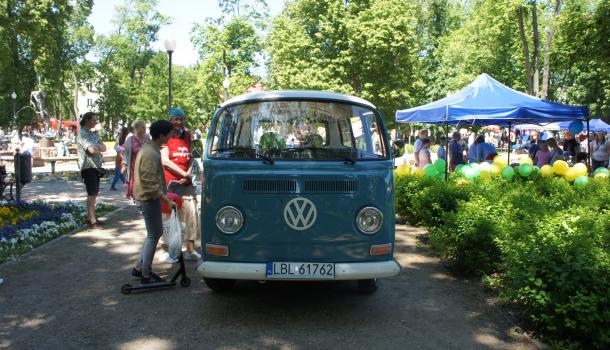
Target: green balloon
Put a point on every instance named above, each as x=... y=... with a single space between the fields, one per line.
x=525 y=169
x=440 y=164
x=430 y=170
x=508 y=172
x=536 y=170
x=441 y=176
x=459 y=168
x=581 y=181
x=600 y=170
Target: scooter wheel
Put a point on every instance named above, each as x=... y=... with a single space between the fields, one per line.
x=126 y=289
x=185 y=282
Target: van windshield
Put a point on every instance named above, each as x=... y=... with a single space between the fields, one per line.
x=298 y=130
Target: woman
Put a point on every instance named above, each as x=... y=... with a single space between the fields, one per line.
x=424 y=153
x=133 y=144
x=599 y=151
x=119 y=147
x=90 y=150
x=177 y=159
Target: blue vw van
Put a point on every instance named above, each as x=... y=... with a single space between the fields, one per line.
x=298 y=186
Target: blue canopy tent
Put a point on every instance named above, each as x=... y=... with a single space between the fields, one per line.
x=485 y=101
x=595 y=125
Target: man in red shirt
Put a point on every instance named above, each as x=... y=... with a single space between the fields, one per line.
x=177 y=159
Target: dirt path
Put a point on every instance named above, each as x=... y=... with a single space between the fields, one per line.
x=66 y=295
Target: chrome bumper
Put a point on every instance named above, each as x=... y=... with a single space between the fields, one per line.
x=257 y=271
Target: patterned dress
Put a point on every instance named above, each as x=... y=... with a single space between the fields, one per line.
x=136 y=145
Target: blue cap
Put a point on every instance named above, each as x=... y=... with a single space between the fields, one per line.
x=176 y=113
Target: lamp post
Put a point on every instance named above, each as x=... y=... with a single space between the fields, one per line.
x=14 y=97
x=170 y=45
x=226 y=84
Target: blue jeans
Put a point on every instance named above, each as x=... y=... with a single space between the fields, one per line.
x=154 y=230
x=118 y=175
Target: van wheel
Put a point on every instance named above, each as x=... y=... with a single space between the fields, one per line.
x=219 y=285
x=367 y=286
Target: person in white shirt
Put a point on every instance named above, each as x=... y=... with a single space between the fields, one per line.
x=417 y=146
x=600 y=151
x=27 y=144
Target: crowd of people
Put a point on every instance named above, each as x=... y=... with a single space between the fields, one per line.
x=149 y=164
x=542 y=148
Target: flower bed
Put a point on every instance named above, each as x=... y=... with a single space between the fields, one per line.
x=24 y=226
x=541 y=243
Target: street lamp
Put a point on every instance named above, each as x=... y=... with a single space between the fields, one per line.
x=226 y=84
x=170 y=45
x=14 y=97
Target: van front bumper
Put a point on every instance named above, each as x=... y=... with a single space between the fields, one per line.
x=257 y=271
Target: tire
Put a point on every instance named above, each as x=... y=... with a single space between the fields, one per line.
x=126 y=289
x=367 y=287
x=219 y=285
x=185 y=282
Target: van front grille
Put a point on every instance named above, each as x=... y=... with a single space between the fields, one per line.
x=331 y=186
x=269 y=186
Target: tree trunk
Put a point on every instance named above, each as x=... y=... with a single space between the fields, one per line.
x=75 y=100
x=547 y=52
x=526 y=51
x=536 y=48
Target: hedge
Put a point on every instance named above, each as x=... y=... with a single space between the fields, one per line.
x=542 y=243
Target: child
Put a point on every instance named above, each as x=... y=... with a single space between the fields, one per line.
x=424 y=153
x=543 y=155
x=441 y=153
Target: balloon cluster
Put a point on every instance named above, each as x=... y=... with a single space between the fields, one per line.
x=578 y=174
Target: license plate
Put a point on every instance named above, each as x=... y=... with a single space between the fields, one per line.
x=300 y=270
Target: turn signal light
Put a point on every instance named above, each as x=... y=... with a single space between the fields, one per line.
x=381 y=249
x=218 y=250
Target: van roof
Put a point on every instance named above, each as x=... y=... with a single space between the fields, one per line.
x=295 y=94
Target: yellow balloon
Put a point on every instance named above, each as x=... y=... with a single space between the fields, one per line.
x=501 y=161
x=403 y=170
x=560 y=167
x=581 y=169
x=496 y=169
x=571 y=174
x=485 y=175
x=526 y=160
x=419 y=172
x=546 y=171
x=601 y=176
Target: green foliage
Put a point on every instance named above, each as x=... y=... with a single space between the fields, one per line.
x=544 y=242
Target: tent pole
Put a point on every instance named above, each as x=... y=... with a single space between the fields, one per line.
x=447 y=151
x=509 y=145
x=589 y=148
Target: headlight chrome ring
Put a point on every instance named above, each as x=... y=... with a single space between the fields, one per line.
x=369 y=220
x=229 y=220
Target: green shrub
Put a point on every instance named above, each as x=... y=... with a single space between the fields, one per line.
x=561 y=273
x=545 y=242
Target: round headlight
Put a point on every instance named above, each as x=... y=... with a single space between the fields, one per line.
x=229 y=220
x=369 y=220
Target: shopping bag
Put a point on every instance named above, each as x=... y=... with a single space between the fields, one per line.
x=172 y=235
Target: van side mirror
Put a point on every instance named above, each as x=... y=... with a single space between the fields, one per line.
x=398 y=148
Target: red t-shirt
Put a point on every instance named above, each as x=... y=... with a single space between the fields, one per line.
x=180 y=153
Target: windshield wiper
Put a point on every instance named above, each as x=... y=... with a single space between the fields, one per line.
x=264 y=158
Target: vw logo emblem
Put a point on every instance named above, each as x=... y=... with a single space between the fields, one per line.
x=300 y=214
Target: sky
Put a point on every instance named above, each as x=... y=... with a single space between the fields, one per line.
x=183 y=14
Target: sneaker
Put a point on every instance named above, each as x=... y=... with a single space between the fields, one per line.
x=136 y=273
x=153 y=278
x=165 y=258
x=191 y=256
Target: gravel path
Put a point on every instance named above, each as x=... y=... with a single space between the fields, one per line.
x=66 y=295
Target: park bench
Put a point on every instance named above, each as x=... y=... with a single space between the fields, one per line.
x=53 y=160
